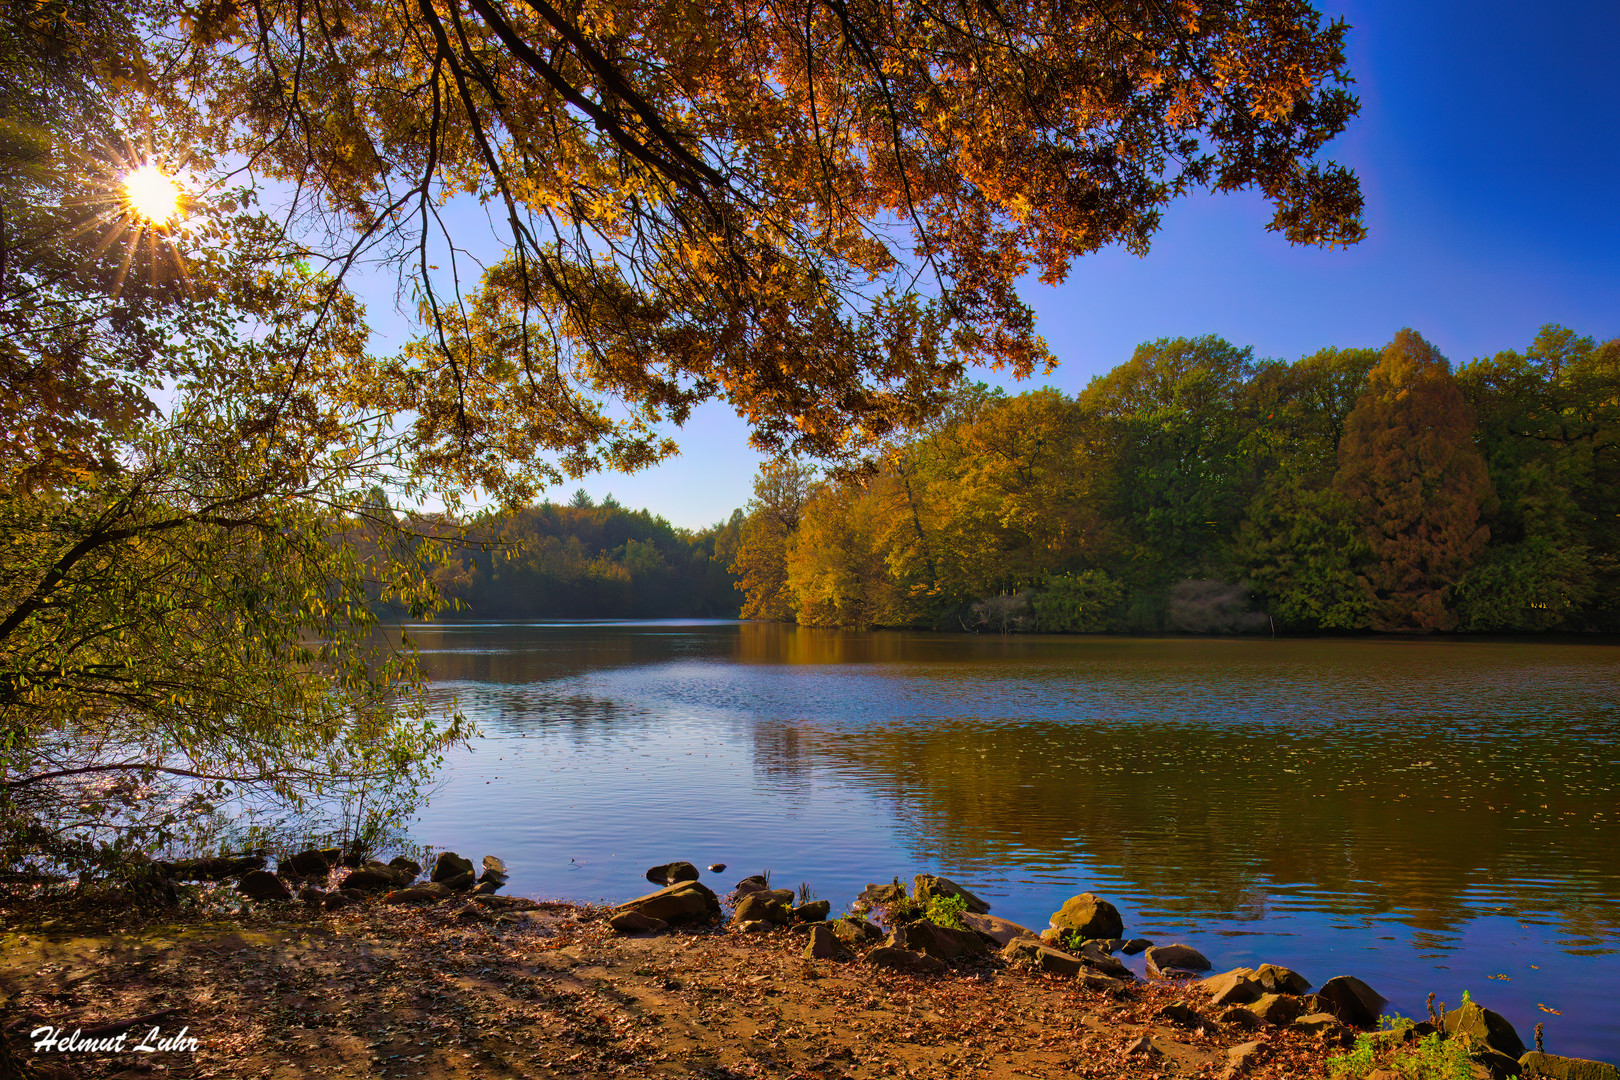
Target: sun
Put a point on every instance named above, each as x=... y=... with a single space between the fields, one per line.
x=152 y=194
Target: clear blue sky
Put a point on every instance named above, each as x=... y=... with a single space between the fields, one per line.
x=1488 y=148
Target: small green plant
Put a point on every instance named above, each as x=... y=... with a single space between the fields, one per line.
x=945 y=911
x=806 y=893
x=1356 y=1061
x=1433 y=1057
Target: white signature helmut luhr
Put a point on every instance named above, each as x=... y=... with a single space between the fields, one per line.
x=58 y=1040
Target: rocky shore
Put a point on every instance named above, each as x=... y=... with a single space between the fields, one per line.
x=341 y=966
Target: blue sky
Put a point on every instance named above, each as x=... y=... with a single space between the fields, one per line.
x=1488 y=148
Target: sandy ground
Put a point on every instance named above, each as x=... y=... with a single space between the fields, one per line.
x=388 y=991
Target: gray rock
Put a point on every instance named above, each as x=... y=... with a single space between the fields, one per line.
x=407 y=869
x=1042 y=957
x=823 y=944
x=426 y=893
x=336 y=901
x=768 y=904
x=682 y=902
x=751 y=883
x=999 y=930
x=1240 y=1017
x=717 y=868
x=308 y=864
x=671 y=873
x=1090 y=916
x=915 y=963
x=755 y=926
x=312 y=896
x=487 y=888
x=1317 y=1022
x=1235 y=987
x=1485 y=1028
x=1353 y=1001
x=1171 y=961
x=459 y=883
x=814 y=911
x=942 y=941
x=1276 y=979
x=634 y=922
x=855 y=931
x=1135 y=945
x=1276 y=1008
x=1535 y=1065
x=449 y=865
x=927 y=886
x=370 y=879
x=263 y=885
x=1243 y=1057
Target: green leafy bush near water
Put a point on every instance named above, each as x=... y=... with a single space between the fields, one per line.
x=1431 y=1057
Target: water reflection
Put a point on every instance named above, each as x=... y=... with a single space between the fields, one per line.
x=1449 y=802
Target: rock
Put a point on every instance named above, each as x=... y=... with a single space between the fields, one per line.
x=1535 y=1065
x=996 y=929
x=823 y=944
x=1135 y=945
x=1054 y=936
x=1233 y=987
x=418 y=894
x=634 y=922
x=1276 y=1008
x=1243 y=1057
x=506 y=903
x=814 y=911
x=1493 y=1062
x=717 y=868
x=493 y=865
x=856 y=931
x=473 y=913
x=334 y=901
x=1090 y=916
x=1239 y=1017
x=1180 y=1015
x=459 y=883
x=1353 y=1001
x=407 y=869
x=768 y=904
x=1104 y=964
x=752 y=883
x=670 y=873
x=941 y=941
x=754 y=926
x=212 y=869
x=263 y=885
x=1143 y=1047
x=1042 y=957
x=682 y=902
x=1111 y=945
x=487 y=888
x=308 y=864
x=916 y=963
x=1102 y=983
x=927 y=886
x=1485 y=1027
x=370 y=879
x=1175 y=961
x=875 y=895
x=312 y=896
x=1317 y=1022
x=449 y=865
x=1276 y=979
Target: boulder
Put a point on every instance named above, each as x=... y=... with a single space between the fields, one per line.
x=769 y=904
x=1276 y=979
x=335 y=901
x=308 y=864
x=1243 y=1057
x=717 y=868
x=1353 y=1001
x=1536 y=1065
x=1317 y=1022
x=927 y=886
x=1234 y=987
x=1104 y=964
x=487 y=888
x=941 y=941
x=751 y=883
x=263 y=885
x=1493 y=1062
x=814 y=911
x=671 y=873
x=1486 y=1028
x=493 y=865
x=1090 y=916
x=370 y=879
x=407 y=869
x=1180 y=1015
x=1042 y=957
x=634 y=922
x=1240 y=1017
x=449 y=865
x=854 y=931
x=1135 y=945
x=1001 y=931
x=1276 y=1008
x=754 y=926
x=212 y=869
x=823 y=944
x=915 y=963
x=459 y=883
x=682 y=902
x=1173 y=961
x=1143 y=1046
x=312 y=896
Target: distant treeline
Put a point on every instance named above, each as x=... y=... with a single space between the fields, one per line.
x=1196 y=488
x=585 y=561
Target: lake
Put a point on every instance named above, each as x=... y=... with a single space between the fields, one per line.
x=1429 y=815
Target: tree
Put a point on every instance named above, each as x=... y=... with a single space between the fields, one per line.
x=781 y=491
x=818 y=210
x=1416 y=484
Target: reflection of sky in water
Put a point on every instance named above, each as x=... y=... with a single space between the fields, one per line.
x=1428 y=815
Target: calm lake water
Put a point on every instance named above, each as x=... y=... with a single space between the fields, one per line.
x=1427 y=815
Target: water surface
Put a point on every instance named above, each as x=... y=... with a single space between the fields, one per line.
x=1427 y=815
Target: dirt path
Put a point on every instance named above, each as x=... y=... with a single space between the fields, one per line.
x=400 y=992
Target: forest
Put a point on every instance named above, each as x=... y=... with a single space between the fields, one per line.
x=1197 y=488
x=588 y=561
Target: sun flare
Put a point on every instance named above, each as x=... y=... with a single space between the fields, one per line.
x=152 y=194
